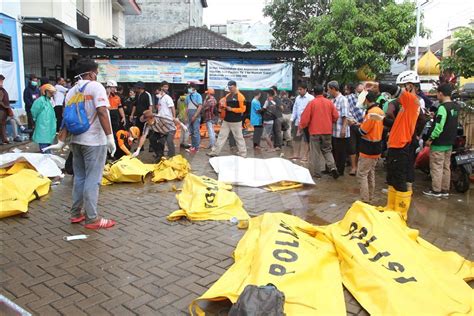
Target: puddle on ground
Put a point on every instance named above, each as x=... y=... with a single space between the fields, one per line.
x=308 y=216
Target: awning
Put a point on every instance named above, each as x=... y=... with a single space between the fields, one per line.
x=73 y=37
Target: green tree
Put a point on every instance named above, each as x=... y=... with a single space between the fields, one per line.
x=462 y=60
x=340 y=36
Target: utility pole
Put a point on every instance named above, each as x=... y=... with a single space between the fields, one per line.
x=417 y=39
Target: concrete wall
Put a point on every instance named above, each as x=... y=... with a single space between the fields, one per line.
x=64 y=11
x=161 y=18
x=100 y=18
x=118 y=24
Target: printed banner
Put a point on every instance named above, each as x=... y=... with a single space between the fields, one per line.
x=150 y=71
x=249 y=76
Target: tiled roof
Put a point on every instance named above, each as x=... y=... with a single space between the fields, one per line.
x=198 y=38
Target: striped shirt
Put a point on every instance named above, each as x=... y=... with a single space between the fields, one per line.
x=161 y=125
x=342 y=107
x=355 y=112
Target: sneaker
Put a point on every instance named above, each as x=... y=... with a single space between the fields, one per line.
x=192 y=150
x=445 y=193
x=430 y=192
x=17 y=139
x=185 y=146
x=334 y=173
x=211 y=154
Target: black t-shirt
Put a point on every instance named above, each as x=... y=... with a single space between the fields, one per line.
x=143 y=103
x=278 y=113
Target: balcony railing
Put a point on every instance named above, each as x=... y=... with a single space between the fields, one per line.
x=82 y=22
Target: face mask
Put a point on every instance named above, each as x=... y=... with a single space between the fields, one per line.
x=190 y=90
x=34 y=83
x=157 y=95
x=132 y=97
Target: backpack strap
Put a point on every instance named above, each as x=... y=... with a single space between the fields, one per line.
x=81 y=89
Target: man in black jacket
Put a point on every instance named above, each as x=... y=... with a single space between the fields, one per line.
x=30 y=94
x=442 y=138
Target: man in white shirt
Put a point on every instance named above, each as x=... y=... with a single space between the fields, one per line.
x=58 y=101
x=166 y=109
x=89 y=148
x=301 y=101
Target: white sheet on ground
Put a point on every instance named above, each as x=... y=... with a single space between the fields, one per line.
x=255 y=172
x=47 y=165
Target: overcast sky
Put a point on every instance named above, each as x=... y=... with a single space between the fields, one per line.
x=440 y=15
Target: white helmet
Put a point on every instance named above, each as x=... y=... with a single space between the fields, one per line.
x=408 y=76
x=111 y=83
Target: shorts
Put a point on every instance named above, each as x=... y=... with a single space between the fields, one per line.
x=304 y=136
x=267 y=130
x=397 y=167
x=354 y=141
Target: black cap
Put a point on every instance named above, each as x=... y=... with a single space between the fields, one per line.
x=140 y=85
x=231 y=83
x=2 y=77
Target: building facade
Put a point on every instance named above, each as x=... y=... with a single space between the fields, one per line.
x=52 y=30
x=162 y=18
x=11 y=51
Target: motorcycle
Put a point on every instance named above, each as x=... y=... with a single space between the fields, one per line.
x=462 y=160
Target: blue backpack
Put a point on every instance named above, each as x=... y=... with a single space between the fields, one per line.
x=75 y=116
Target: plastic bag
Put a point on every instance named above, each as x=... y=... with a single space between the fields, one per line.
x=390 y=271
x=126 y=169
x=290 y=253
x=17 y=190
x=175 y=168
x=203 y=198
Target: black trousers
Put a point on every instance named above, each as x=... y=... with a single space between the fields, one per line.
x=398 y=161
x=411 y=160
x=277 y=135
x=31 y=122
x=257 y=135
x=340 y=148
x=58 y=111
x=157 y=144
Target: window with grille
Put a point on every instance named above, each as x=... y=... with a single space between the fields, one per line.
x=6 y=48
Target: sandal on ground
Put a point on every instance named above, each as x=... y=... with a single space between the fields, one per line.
x=78 y=219
x=101 y=223
x=295 y=158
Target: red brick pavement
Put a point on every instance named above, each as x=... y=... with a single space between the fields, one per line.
x=149 y=266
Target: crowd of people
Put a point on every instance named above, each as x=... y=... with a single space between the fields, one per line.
x=329 y=127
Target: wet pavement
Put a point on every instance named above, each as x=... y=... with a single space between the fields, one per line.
x=147 y=265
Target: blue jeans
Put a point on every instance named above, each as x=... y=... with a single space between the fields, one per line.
x=211 y=133
x=194 y=129
x=88 y=164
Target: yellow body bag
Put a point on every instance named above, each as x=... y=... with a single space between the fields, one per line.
x=391 y=271
x=126 y=169
x=175 y=168
x=203 y=198
x=290 y=253
x=17 y=190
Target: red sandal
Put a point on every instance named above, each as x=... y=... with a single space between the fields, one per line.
x=101 y=223
x=78 y=219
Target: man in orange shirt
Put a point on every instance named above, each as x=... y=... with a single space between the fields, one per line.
x=234 y=109
x=370 y=146
x=319 y=116
x=125 y=140
x=117 y=115
x=399 y=196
